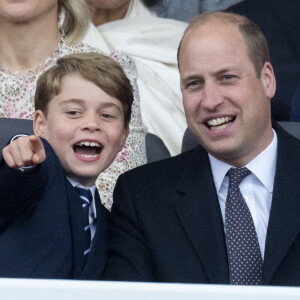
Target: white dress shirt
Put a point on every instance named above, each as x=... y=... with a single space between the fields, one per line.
x=92 y=210
x=257 y=188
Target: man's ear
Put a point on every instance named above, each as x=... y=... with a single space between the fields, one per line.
x=124 y=137
x=268 y=80
x=39 y=123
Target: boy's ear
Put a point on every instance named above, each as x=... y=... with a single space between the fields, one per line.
x=39 y=123
x=124 y=137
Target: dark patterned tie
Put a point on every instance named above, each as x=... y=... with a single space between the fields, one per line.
x=86 y=200
x=244 y=256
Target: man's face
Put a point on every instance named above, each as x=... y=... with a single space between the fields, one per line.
x=227 y=107
x=85 y=127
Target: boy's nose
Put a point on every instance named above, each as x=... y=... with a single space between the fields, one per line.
x=91 y=122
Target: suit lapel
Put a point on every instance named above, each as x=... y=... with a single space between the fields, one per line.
x=200 y=215
x=99 y=252
x=284 y=222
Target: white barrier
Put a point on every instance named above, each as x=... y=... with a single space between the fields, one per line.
x=31 y=289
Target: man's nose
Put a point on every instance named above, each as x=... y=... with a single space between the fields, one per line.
x=211 y=96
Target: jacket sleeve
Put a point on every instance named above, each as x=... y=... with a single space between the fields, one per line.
x=129 y=256
x=20 y=192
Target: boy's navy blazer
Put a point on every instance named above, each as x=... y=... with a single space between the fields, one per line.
x=40 y=223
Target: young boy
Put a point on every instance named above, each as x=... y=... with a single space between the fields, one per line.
x=52 y=226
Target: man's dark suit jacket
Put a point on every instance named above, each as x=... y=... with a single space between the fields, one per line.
x=166 y=222
x=41 y=225
x=279 y=21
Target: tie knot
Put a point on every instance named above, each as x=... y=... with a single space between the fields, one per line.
x=85 y=195
x=237 y=175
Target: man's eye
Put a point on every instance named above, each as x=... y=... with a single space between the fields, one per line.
x=194 y=83
x=229 y=77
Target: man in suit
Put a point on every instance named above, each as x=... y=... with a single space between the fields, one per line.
x=185 y=219
x=52 y=222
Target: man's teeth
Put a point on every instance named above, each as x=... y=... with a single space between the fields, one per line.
x=219 y=121
x=219 y=127
x=89 y=144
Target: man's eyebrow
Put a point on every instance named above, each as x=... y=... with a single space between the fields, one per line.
x=224 y=71
x=191 y=78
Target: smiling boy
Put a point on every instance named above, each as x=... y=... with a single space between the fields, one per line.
x=51 y=228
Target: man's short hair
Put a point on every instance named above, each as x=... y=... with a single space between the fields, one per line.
x=100 y=69
x=254 y=38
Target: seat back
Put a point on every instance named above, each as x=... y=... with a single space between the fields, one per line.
x=11 y=127
x=155 y=148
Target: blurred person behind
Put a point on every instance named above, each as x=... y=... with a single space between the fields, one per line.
x=175 y=9
x=131 y=26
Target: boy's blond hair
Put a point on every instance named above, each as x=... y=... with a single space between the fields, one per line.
x=100 y=69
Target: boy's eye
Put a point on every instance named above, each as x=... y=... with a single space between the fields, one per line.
x=107 y=116
x=73 y=113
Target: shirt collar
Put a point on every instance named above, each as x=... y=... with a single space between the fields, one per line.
x=91 y=188
x=262 y=166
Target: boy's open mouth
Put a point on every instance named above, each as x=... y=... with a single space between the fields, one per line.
x=219 y=123
x=87 y=149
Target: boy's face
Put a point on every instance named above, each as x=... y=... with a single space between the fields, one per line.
x=85 y=127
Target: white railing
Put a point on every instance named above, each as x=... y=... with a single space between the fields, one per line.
x=31 y=289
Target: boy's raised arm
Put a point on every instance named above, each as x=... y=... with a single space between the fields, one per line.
x=24 y=151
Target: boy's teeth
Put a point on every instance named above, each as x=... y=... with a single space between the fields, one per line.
x=89 y=144
x=88 y=156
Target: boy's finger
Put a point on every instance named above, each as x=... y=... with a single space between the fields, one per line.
x=16 y=160
x=35 y=143
x=38 y=155
x=38 y=158
x=8 y=158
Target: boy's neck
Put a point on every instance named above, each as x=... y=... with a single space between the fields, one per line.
x=84 y=185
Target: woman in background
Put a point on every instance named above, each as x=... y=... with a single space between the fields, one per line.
x=131 y=26
x=33 y=35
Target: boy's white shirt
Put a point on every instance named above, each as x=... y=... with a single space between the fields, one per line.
x=92 y=209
